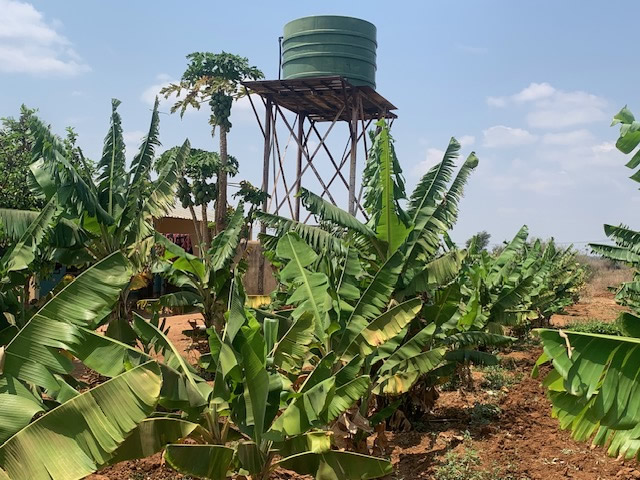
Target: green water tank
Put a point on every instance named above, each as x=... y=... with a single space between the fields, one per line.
x=330 y=45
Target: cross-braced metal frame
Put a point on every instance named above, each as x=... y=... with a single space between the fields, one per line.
x=309 y=109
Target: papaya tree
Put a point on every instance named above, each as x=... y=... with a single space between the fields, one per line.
x=214 y=78
x=195 y=187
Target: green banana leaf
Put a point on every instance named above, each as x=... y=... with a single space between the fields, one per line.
x=316 y=237
x=334 y=465
x=225 y=244
x=594 y=387
x=31 y=356
x=304 y=412
x=152 y=435
x=75 y=439
x=406 y=373
x=290 y=351
x=347 y=395
x=20 y=255
x=197 y=390
x=383 y=328
x=328 y=212
x=17 y=412
x=391 y=227
x=373 y=301
x=112 y=180
x=311 y=289
x=209 y=462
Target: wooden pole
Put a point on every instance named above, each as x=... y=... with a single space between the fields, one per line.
x=265 y=188
x=308 y=157
x=265 y=159
x=354 y=151
x=301 y=145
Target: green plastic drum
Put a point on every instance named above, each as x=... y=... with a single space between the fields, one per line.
x=329 y=45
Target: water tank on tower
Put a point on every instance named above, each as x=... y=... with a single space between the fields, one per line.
x=330 y=45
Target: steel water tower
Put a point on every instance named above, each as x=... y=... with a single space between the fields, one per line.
x=324 y=100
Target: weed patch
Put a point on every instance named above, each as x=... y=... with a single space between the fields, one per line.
x=595 y=326
x=467 y=466
x=484 y=413
x=497 y=377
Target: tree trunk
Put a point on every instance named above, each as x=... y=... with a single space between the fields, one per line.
x=206 y=234
x=221 y=204
x=196 y=226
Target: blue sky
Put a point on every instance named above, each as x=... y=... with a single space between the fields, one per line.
x=531 y=87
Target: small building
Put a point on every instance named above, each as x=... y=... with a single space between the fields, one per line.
x=179 y=221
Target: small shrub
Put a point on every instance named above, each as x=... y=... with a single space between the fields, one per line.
x=454 y=383
x=460 y=466
x=466 y=466
x=483 y=413
x=497 y=377
x=595 y=326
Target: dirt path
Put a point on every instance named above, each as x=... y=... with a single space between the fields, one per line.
x=601 y=307
x=493 y=432
x=517 y=440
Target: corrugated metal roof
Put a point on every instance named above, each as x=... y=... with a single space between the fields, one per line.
x=178 y=212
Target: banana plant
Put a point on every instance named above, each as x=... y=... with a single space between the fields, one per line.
x=15 y=267
x=41 y=407
x=204 y=282
x=356 y=278
x=522 y=283
x=88 y=428
x=265 y=411
x=356 y=328
x=405 y=253
x=113 y=212
x=626 y=241
x=594 y=382
x=41 y=404
x=593 y=387
x=35 y=378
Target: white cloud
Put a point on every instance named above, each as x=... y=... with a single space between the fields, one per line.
x=432 y=157
x=497 y=101
x=28 y=44
x=604 y=147
x=501 y=136
x=606 y=154
x=534 y=91
x=243 y=112
x=132 y=141
x=244 y=103
x=566 y=109
x=550 y=181
x=572 y=137
x=152 y=91
x=553 y=108
x=466 y=140
x=498 y=181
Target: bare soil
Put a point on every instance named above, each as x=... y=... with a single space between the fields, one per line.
x=518 y=441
